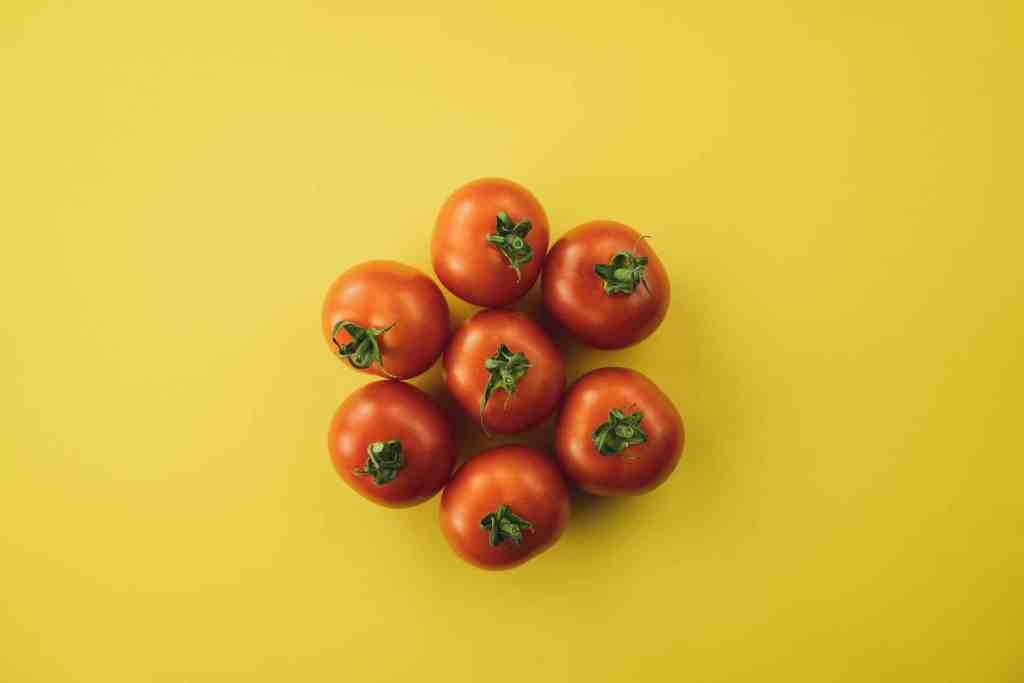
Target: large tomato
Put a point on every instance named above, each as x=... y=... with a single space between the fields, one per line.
x=606 y=285
x=504 y=370
x=392 y=443
x=489 y=242
x=386 y=318
x=504 y=506
x=618 y=433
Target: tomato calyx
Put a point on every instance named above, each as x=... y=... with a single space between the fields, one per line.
x=503 y=524
x=383 y=461
x=619 y=433
x=624 y=272
x=510 y=239
x=364 y=349
x=506 y=369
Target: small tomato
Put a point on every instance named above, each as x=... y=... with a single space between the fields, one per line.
x=386 y=318
x=392 y=443
x=504 y=506
x=502 y=368
x=617 y=433
x=489 y=242
x=604 y=283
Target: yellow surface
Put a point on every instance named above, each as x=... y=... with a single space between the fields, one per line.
x=835 y=190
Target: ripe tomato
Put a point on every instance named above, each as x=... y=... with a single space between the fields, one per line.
x=617 y=433
x=392 y=443
x=603 y=282
x=504 y=506
x=505 y=352
x=386 y=318
x=489 y=242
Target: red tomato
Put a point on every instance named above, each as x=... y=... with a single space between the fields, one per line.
x=386 y=318
x=617 y=433
x=604 y=284
x=489 y=242
x=504 y=506
x=503 y=369
x=392 y=444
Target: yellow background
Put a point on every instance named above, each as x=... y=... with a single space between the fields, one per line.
x=834 y=188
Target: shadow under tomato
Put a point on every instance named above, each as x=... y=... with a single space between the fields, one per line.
x=591 y=510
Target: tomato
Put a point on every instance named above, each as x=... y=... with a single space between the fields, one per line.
x=618 y=433
x=489 y=242
x=392 y=443
x=604 y=284
x=502 y=368
x=504 y=506
x=386 y=318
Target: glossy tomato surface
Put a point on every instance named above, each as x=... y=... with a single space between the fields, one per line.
x=638 y=467
x=538 y=388
x=519 y=481
x=575 y=294
x=466 y=262
x=401 y=302
x=381 y=413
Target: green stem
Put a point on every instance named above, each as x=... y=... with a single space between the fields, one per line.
x=505 y=369
x=503 y=524
x=624 y=272
x=510 y=239
x=383 y=461
x=619 y=433
x=364 y=349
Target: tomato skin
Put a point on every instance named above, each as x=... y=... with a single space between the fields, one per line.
x=379 y=293
x=466 y=263
x=523 y=478
x=575 y=295
x=537 y=393
x=637 y=469
x=386 y=410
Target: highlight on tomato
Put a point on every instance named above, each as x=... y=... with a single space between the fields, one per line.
x=386 y=318
x=489 y=242
x=618 y=433
x=504 y=506
x=392 y=443
x=604 y=283
x=504 y=371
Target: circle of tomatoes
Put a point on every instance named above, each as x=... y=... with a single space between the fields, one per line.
x=617 y=433
x=504 y=370
x=386 y=318
x=392 y=443
x=503 y=507
x=604 y=283
x=489 y=242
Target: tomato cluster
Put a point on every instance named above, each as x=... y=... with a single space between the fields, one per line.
x=616 y=433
